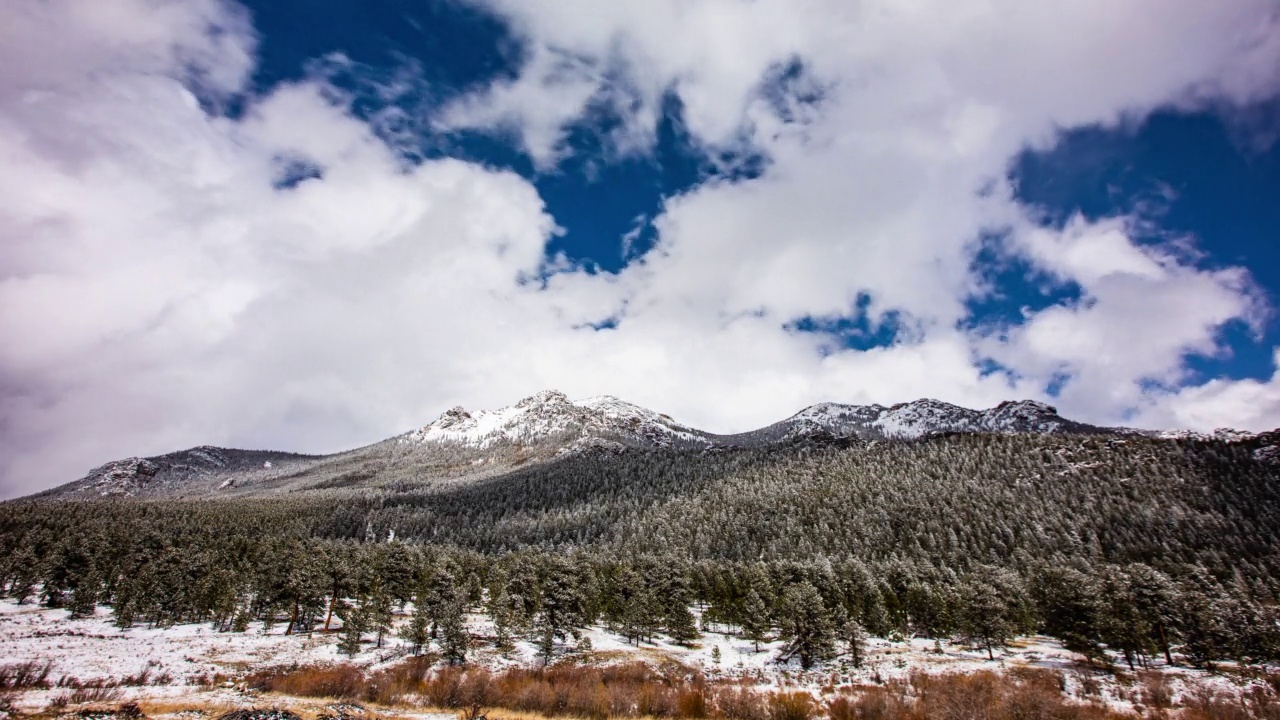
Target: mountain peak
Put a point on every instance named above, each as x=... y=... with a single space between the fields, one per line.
x=923 y=417
x=550 y=414
x=545 y=397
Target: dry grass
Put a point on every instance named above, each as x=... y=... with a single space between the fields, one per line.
x=674 y=692
x=25 y=675
x=641 y=692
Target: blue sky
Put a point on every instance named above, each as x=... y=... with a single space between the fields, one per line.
x=309 y=225
x=1200 y=172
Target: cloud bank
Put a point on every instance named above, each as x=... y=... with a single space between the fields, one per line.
x=172 y=275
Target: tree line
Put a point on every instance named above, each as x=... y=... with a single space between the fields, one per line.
x=1145 y=548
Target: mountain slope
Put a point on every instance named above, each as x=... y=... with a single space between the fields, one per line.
x=914 y=420
x=464 y=445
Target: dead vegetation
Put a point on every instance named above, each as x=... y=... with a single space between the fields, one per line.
x=637 y=690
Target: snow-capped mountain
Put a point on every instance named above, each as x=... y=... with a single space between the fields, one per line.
x=928 y=417
x=470 y=445
x=921 y=418
x=550 y=415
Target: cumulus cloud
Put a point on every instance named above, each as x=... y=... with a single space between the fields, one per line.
x=168 y=279
x=1140 y=311
x=1218 y=404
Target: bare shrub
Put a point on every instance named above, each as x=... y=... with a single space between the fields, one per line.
x=28 y=675
x=841 y=708
x=741 y=704
x=791 y=706
x=343 y=682
x=94 y=694
x=692 y=703
x=1157 y=691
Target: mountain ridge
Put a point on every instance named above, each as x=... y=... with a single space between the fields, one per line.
x=462 y=444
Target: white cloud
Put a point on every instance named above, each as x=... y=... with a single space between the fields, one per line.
x=157 y=292
x=1242 y=404
x=1139 y=313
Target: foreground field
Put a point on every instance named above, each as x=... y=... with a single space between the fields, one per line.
x=55 y=666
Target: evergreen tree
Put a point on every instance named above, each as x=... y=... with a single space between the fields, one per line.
x=806 y=624
x=855 y=639
x=984 y=617
x=455 y=640
x=641 y=616
x=418 y=630
x=755 y=619
x=562 y=607
x=354 y=623
x=502 y=614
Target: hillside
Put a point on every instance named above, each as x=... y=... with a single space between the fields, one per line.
x=472 y=445
x=552 y=525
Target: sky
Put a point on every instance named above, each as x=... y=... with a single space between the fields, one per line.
x=312 y=225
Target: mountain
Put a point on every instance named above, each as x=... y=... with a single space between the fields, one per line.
x=922 y=418
x=551 y=416
x=463 y=445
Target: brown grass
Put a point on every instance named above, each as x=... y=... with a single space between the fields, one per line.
x=674 y=692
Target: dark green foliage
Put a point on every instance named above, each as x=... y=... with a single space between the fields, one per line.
x=806 y=625
x=563 y=606
x=755 y=619
x=455 y=641
x=985 y=616
x=354 y=623
x=1142 y=547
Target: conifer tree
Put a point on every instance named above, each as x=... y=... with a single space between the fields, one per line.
x=806 y=624
x=561 y=607
x=984 y=617
x=455 y=640
x=418 y=630
x=354 y=623
x=755 y=619
x=503 y=616
x=854 y=637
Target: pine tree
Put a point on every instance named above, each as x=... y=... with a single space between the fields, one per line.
x=354 y=622
x=455 y=640
x=561 y=607
x=806 y=625
x=681 y=626
x=640 y=617
x=855 y=639
x=755 y=619
x=418 y=629
x=984 y=617
x=503 y=616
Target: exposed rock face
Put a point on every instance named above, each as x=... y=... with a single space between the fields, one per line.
x=122 y=477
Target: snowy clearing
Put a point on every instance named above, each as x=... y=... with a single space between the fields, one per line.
x=181 y=661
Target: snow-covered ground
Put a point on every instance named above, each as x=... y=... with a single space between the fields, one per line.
x=180 y=660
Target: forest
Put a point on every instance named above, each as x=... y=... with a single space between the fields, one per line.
x=1123 y=547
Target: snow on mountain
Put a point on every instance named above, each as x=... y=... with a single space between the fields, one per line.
x=1223 y=434
x=550 y=415
x=927 y=417
x=197 y=469
x=607 y=422
x=462 y=444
